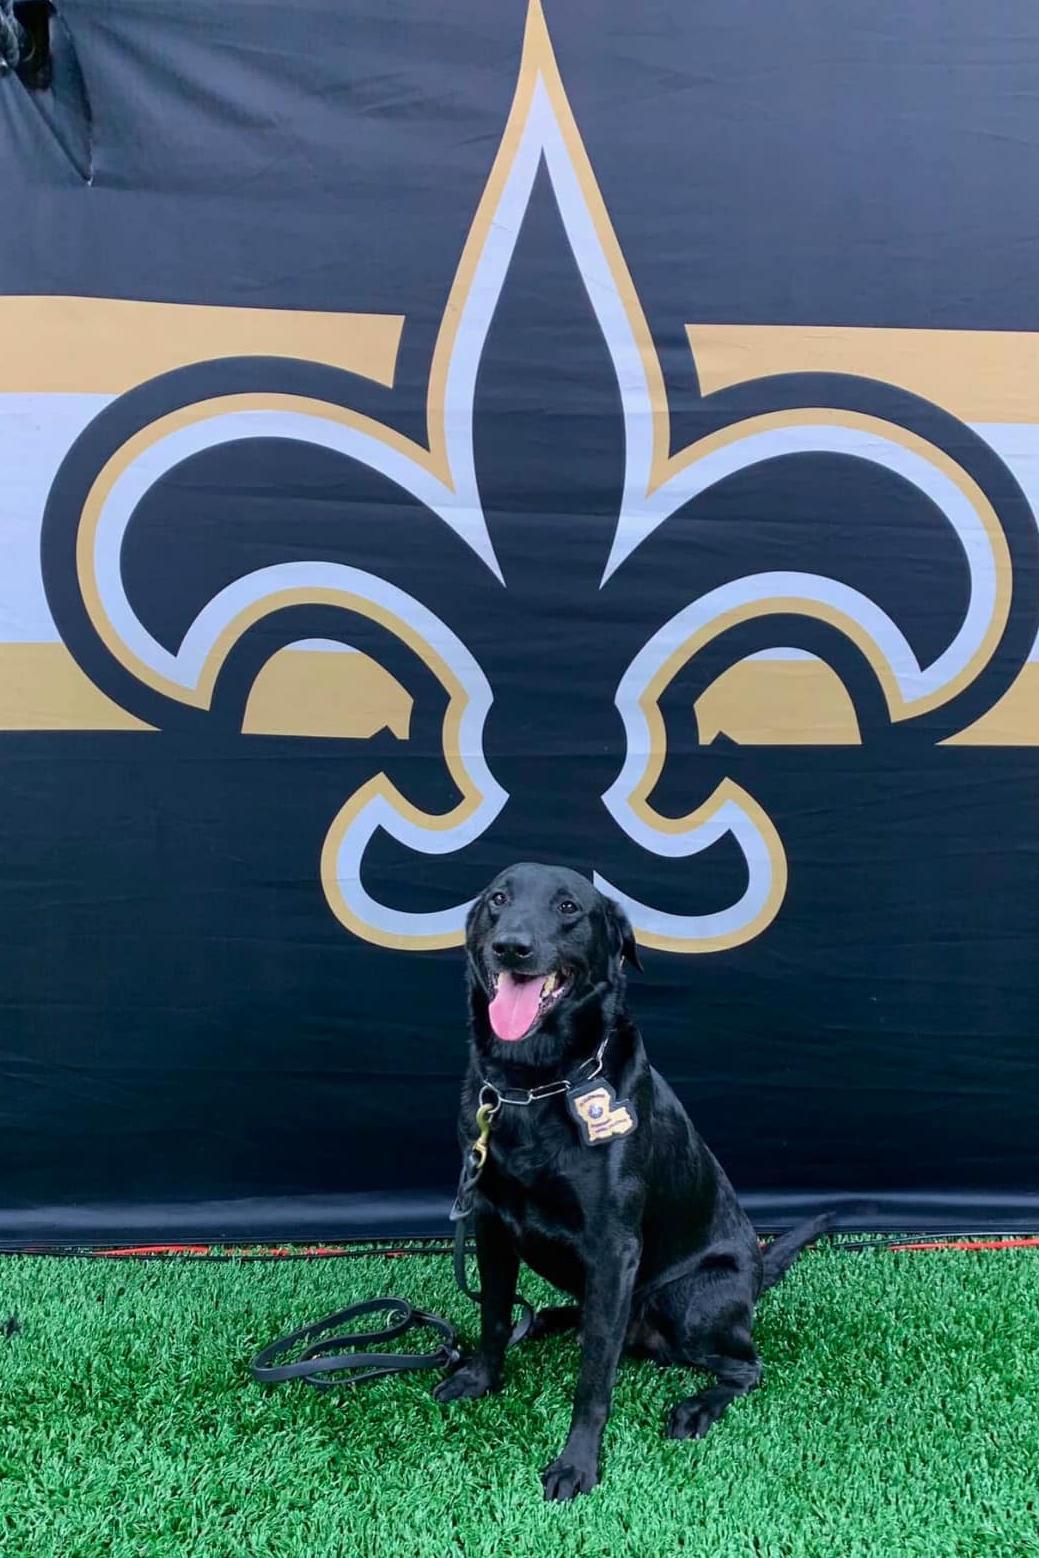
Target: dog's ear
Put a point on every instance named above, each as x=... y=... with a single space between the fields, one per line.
x=473 y=970
x=470 y=919
x=622 y=933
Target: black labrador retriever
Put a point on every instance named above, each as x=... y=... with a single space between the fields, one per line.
x=598 y=1181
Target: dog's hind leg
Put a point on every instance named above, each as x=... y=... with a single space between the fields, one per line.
x=645 y=1341
x=552 y=1321
x=734 y=1362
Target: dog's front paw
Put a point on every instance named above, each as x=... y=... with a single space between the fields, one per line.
x=569 y=1475
x=470 y=1379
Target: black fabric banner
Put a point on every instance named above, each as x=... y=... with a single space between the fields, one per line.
x=432 y=438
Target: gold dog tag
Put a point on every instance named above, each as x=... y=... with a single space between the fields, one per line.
x=599 y=1116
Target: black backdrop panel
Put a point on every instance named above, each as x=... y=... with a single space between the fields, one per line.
x=605 y=437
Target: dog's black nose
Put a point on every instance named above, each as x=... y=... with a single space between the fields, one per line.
x=512 y=949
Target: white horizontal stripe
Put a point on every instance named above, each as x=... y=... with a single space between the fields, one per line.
x=36 y=433
x=1017 y=444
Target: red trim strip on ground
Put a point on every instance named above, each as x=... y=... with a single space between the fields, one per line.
x=1029 y=1243
x=431 y=1246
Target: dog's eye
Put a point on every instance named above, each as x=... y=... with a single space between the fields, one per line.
x=569 y=907
x=496 y=900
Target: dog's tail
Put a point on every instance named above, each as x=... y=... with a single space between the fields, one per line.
x=779 y=1256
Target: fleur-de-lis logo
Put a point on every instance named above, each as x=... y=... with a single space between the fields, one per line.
x=502 y=618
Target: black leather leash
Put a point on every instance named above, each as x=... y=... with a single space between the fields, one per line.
x=336 y=1355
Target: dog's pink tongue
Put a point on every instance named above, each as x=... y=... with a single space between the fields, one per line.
x=515 y=1005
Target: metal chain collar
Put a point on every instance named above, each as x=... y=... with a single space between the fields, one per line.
x=492 y=1098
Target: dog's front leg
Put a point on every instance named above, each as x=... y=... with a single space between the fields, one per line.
x=498 y=1262
x=609 y=1282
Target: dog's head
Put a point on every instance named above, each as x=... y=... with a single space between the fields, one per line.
x=546 y=954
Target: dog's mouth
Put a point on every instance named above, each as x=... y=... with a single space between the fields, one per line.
x=519 y=1002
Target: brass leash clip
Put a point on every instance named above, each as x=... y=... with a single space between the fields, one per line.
x=484 y=1115
x=476 y=1157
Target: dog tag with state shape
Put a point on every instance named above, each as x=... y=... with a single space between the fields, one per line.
x=600 y=1118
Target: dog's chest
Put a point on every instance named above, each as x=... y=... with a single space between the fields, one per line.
x=546 y=1219
x=534 y=1188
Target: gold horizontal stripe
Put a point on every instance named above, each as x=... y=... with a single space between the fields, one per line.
x=313 y=692
x=979 y=375
x=778 y=703
x=75 y=345
x=804 y=703
x=1012 y=722
x=297 y=693
x=42 y=688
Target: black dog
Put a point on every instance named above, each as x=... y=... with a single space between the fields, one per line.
x=601 y=1184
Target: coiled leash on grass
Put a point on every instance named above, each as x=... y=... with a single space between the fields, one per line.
x=332 y=1355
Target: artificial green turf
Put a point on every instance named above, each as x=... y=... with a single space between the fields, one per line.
x=900 y=1415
